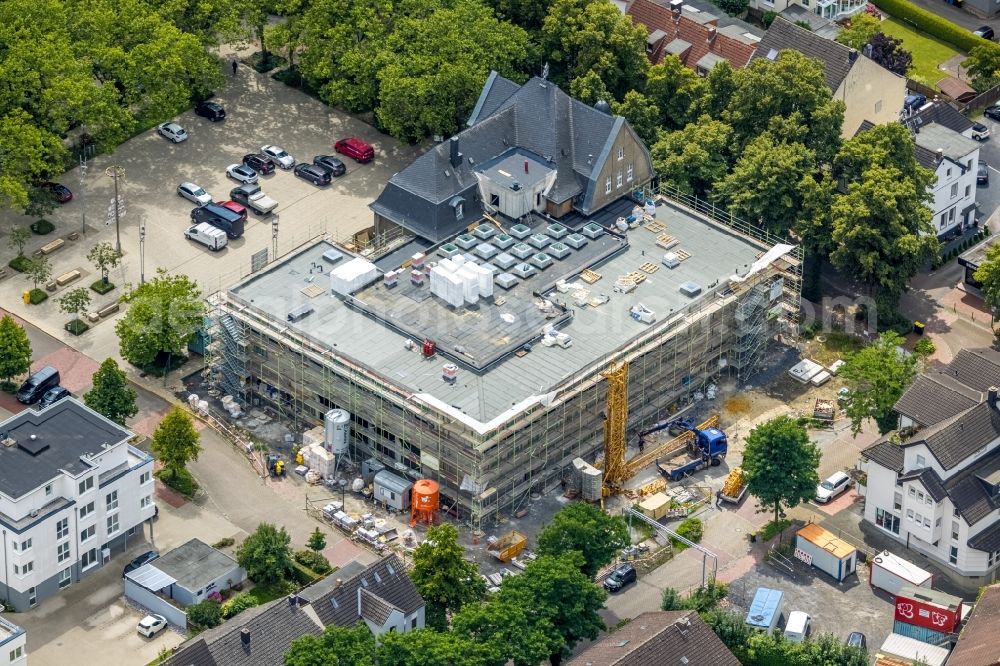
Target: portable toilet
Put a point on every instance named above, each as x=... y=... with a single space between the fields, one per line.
x=392 y=490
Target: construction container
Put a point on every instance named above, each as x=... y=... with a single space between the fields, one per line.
x=426 y=501
x=392 y=490
x=508 y=546
x=821 y=549
x=911 y=650
x=891 y=573
x=765 y=609
x=928 y=609
x=655 y=506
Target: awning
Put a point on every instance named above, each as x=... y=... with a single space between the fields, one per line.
x=151 y=578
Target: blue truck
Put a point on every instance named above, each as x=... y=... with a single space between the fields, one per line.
x=707 y=448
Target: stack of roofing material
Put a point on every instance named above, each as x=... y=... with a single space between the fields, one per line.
x=445 y=284
x=470 y=282
x=485 y=276
x=352 y=276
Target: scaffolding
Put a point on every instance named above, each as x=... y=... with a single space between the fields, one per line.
x=616 y=471
x=225 y=354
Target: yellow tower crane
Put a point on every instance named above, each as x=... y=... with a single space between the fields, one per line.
x=615 y=469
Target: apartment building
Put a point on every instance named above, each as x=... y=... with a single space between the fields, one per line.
x=953 y=158
x=72 y=492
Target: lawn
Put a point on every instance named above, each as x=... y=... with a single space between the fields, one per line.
x=927 y=51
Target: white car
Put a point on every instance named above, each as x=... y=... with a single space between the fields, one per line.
x=835 y=485
x=172 y=131
x=283 y=159
x=151 y=625
x=242 y=173
x=193 y=193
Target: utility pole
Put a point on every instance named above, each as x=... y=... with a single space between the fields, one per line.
x=83 y=189
x=142 y=250
x=117 y=207
x=274 y=237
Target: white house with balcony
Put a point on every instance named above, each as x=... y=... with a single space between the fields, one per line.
x=935 y=485
x=954 y=159
x=13 y=644
x=72 y=492
x=832 y=10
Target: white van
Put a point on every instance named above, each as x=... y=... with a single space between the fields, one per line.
x=798 y=626
x=211 y=237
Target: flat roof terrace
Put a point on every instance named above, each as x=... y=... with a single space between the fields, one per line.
x=601 y=319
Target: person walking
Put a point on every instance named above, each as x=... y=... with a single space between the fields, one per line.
x=234 y=67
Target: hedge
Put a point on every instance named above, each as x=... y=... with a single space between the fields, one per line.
x=932 y=24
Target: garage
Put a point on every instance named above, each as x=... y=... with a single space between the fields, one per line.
x=821 y=549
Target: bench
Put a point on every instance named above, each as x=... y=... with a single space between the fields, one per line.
x=73 y=236
x=93 y=317
x=50 y=285
x=66 y=278
x=108 y=309
x=49 y=248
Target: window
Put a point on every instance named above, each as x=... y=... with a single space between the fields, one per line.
x=86 y=484
x=413 y=623
x=16 y=652
x=621 y=152
x=949 y=172
x=953 y=555
x=994 y=558
x=918 y=518
x=897 y=502
x=619 y=181
x=954 y=531
x=65 y=576
x=927 y=522
x=24 y=569
x=909 y=514
x=144 y=478
x=878 y=104
x=62 y=528
x=86 y=510
x=920 y=496
x=954 y=190
x=928 y=501
x=937 y=523
x=944 y=220
x=62 y=552
x=968 y=188
x=607 y=185
x=25 y=545
x=32 y=597
x=112 y=524
x=887 y=521
x=459 y=210
x=951 y=215
x=145 y=501
x=911 y=491
x=112 y=500
x=921 y=461
x=629 y=172
x=957 y=514
x=48 y=490
x=87 y=533
x=538 y=198
x=89 y=558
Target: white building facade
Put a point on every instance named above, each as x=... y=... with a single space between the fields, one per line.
x=72 y=492
x=954 y=159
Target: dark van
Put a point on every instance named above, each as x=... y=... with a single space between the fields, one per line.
x=36 y=385
x=219 y=217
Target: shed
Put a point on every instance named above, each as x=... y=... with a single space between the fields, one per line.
x=392 y=490
x=912 y=650
x=765 y=609
x=821 y=549
x=891 y=573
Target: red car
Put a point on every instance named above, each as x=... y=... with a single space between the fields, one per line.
x=239 y=209
x=355 y=148
x=60 y=192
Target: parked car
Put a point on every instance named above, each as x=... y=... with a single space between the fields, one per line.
x=140 y=561
x=798 y=627
x=60 y=192
x=52 y=396
x=985 y=31
x=194 y=194
x=982 y=173
x=211 y=237
x=857 y=639
x=239 y=209
x=993 y=111
x=317 y=174
x=35 y=386
x=221 y=218
x=833 y=486
x=211 y=110
x=242 y=173
x=251 y=197
x=620 y=577
x=980 y=132
x=259 y=163
x=172 y=131
x=151 y=625
x=336 y=167
x=284 y=160
x=356 y=149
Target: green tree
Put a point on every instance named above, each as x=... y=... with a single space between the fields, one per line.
x=163 y=316
x=75 y=302
x=41 y=202
x=111 y=393
x=888 y=145
x=695 y=158
x=529 y=14
x=175 y=442
x=15 y=350
x=983 y=66
x=988 y=277
x=589 y=88
x=18 y=237
x=266 y=555
x=863 y=27
x=38 y=270
x=104 y=257
x=733 y=7
x=559 y=600
x=779 y=464
x=508 y=627
x=317 y=540
x=876 y=377
x=336 y=646
x=677 y=91
x=205 y=614
x=721 y=84
x=427 y=647
x=445 y=580
x=642 y=113
x=588 y=530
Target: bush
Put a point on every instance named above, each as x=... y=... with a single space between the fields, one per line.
x=932 y=24
x=102 y=287
x=42 y=227
x=224 y=543
x=237 y=605
x=672 y=600
x=768 y=18
x=20 y=264
x=772 y=528
x=706 y=598
x=206 y=614
x=262 y=65
x=36 y=296
x=303 y=575
x=77 y=327
x=691 y=529
x=312 y=560
x=181 y=481
x=924 y=347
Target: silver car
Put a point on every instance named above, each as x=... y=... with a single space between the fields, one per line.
x=172 y=131
x=193 y=193
x=242 y=173
x=282 y=158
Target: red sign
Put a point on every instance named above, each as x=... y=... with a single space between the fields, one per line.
x=927 y=615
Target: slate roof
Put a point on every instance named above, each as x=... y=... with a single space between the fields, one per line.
x=988 y=540
x=886 y=454
x=940 y=394
x=272 y=629
x=385 y=580
x=376 y=609
x=930 y=480
x=953 y=440
x=925 y=158
x=195 y=564
x=970 y=494
x=942 y=114
x=837 y=59
x=977 y=644
x=658 y=638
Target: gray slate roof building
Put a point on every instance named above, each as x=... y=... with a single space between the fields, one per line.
x=371 y=593
x=837 y=58
x=953 y=440
x=822 y=27
x=945 y=142
x=885 y=453
x=936 y=396
x=941 y=114
x=195 y=564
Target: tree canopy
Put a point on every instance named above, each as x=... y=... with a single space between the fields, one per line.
x=695 y=158
x=111 y=393
x=175 y=441
x=983 y=66
x=876 y=377
x=15 y=349
x=779 y=464
x=266 y=555
x=988 y=275
x=442 y=575
x=336 y=646
x=588 y=530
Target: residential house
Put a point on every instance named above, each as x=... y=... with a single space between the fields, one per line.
x=832 y=10
x=977 y=644
x=657 y=638
x=72 y=492
x=13 y=644
x=935 y=486
x=696 y=37
x=972 y=258
x=942 y=114
x=868 y=90
x=953 y=158
x=527 y=149
x=823 y=27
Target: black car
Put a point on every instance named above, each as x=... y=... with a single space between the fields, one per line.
x=858 y=640
x=982 y=173
x=60 y=192
x=143 y=559
x=259 y=163
x=211 y=110
x=620 y=577
x=335 y=166
x=318 y=174
x=986 y=32
x=993 y=112
x=52 y=396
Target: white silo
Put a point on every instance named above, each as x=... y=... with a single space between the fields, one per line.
x=338 y=427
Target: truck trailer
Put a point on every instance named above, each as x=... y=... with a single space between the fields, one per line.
x=707 y=448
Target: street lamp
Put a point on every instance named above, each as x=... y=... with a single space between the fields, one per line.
x=116 y=208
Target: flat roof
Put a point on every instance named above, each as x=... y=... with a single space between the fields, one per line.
x=484 y=400
x=976 y=255
x=818 y=536
x=50 y=441
x=509 y=168
x=194 y=564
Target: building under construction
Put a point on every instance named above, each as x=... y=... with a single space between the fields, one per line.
x=494 y=397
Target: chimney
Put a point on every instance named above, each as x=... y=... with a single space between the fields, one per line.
x=940 y=154
x=525 y=166
x=338 y=583
x=675 y=6
x=292 y=600
x=991 y=396
x=456 y=157
x=245 y=637
x=853 y=55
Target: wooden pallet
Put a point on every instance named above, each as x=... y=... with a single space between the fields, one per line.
x=666 y=241
x=590 y=277
x=682 y=254
x=649 y=267
x=313 y=290
x=636 y=277
x=655 y=226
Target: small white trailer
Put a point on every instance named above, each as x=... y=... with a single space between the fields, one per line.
x=891 y=573
x=819 y=548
